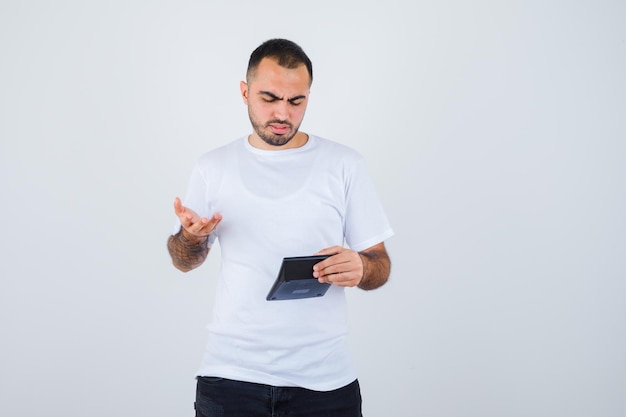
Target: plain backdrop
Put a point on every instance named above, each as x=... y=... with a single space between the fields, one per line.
x=495 y=133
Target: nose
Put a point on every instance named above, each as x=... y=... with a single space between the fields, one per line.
x=281 y=110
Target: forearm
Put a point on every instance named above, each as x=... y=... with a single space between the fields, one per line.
x=376 y=268
x=187 y=252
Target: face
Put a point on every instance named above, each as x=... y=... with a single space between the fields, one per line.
x=276 y=98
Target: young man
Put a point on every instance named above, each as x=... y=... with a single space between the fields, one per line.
x=279 y=193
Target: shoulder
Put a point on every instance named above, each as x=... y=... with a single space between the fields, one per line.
x=336 y=151
x=220 y=154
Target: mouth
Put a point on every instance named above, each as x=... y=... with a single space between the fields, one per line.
x=279 y=128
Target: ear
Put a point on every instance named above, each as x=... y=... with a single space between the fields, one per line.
x=243 y=86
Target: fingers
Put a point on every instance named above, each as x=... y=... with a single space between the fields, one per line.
x=184 y=214
x=344 y=268
x=331 y=251
x=194 y=224
x=197 y=227
x=205 y=226
x=201 y=226
x=178 y=206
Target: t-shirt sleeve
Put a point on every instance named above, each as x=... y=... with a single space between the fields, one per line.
x=365 y=221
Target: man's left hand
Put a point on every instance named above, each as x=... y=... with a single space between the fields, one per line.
x=343 y=268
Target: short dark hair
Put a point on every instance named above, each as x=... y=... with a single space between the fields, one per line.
x=288 y=54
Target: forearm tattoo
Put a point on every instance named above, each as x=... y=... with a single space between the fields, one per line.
x=187 y=254
x=376 y=269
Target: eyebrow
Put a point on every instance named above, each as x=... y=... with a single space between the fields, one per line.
x=275 y=97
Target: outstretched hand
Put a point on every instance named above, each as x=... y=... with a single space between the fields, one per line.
x=343 y=268
x=192 y=223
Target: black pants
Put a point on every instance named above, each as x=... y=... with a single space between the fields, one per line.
x=219 y=397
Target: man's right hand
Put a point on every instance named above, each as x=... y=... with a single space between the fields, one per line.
x=193 y=225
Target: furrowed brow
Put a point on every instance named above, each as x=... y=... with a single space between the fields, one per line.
x=270 y=94
x=275 y=97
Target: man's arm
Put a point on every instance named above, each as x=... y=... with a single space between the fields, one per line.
x=368 y=269
x=189 y=247
x=376 y=267
x=187 y=252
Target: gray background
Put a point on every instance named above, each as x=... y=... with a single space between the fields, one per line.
x=495 y=133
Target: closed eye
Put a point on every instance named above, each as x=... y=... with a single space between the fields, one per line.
x=297 y=100
x=270 y=97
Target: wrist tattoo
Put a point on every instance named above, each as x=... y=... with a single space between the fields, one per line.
x=186 y=253
x=193 y=245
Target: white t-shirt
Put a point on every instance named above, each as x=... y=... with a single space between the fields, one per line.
x=277 y=204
